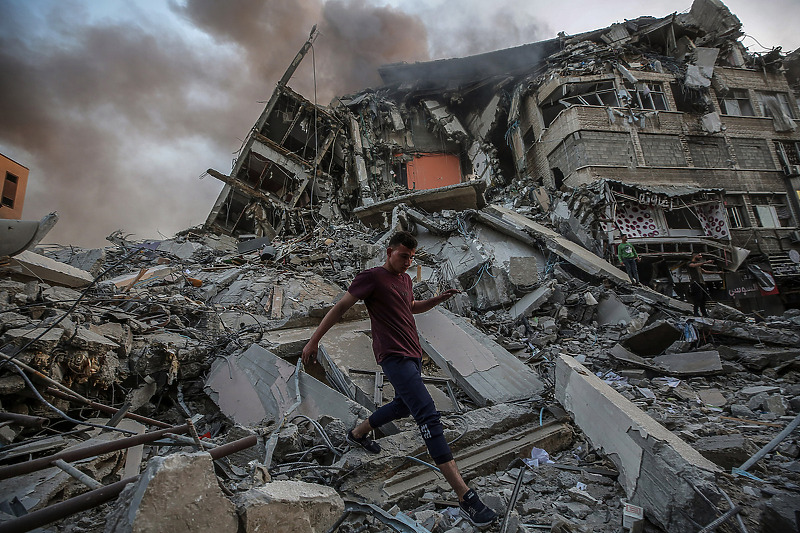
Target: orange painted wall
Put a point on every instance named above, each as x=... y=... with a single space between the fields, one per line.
x=12 y=195
x=431 y=171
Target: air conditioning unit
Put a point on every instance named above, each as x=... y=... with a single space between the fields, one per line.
x=792 y=170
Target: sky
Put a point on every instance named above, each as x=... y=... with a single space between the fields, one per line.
x=118 y=107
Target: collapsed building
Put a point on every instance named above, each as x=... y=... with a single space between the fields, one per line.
x=666 y=130
x=577 y=401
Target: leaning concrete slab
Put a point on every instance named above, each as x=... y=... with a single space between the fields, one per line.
x=178 y=492
x=657 y=469
x=526 y=230
x=486 y=371
x=257 y=385
x=506 y=219
x=289 y=507
x=38 y=266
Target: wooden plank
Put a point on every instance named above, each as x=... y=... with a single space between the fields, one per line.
x=277 y=302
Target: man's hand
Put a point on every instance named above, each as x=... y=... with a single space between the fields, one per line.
x=449 y=293
x=310 y=352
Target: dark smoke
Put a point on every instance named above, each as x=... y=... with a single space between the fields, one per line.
x=116 y=121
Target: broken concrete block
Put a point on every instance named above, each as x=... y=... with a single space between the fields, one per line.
x=289 y=507
x=653 y=339
x=178 y=492
x=742 y=411
x=780 y=513
x=611 y=310
x=728 y=451
x=712 y=397
x=46 y=343
x=91 y=341
x=533 y=300
x=487 y=372
x=646 y=454
x=523 y=271
x=749 y=392
x=256 y=386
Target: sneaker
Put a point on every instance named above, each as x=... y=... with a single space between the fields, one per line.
x=365 y=442
x=474 y=510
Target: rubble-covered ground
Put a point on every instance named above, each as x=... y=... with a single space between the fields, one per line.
x=164 y=317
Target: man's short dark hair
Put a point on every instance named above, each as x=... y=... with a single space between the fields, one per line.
x=404 y=238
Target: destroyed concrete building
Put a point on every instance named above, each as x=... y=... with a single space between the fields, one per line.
x=666 y=130
x=575 y=400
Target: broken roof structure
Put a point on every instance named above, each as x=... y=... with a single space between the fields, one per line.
x=576 y=400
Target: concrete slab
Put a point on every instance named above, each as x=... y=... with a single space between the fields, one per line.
x=712 y=397
x=690 y=364
x=38 y=266
x=728 y=451
x=458 y=197
x=487 y=372
x=749 y=332
x=257 y=386
x=647 y=455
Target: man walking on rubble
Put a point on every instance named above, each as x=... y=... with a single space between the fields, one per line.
x=627 y=255
x=387 y=293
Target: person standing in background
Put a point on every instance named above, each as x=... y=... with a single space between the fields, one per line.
x=627 y=255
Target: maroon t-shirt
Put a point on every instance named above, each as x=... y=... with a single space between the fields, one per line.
x=388 y=298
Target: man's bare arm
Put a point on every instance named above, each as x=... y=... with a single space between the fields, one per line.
x=331 y=318
x=420 y=306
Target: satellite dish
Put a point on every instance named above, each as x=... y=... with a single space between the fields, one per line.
x=794 y=255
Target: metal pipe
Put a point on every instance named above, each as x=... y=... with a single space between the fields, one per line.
x=87 y=451
x=106 y=408
x=772 y=444
x=93 y=498
x=84 y=478
x=721 y=520
x=25 y=420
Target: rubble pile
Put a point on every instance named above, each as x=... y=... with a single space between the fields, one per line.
x=156 y=384
x=166 y=317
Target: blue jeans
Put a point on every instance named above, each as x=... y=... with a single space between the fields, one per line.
x=412 y=398
x=631 y=268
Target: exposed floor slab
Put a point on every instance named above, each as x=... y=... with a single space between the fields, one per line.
x=657 y=469
x=486 y=371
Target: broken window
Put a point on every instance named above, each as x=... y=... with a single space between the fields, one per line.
x=584 y=94
x=10 y=190
x=734 y=207
x=737 y=103
x=771 y=210
x=783 y=101
x=647 y=95
x=788 y=153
